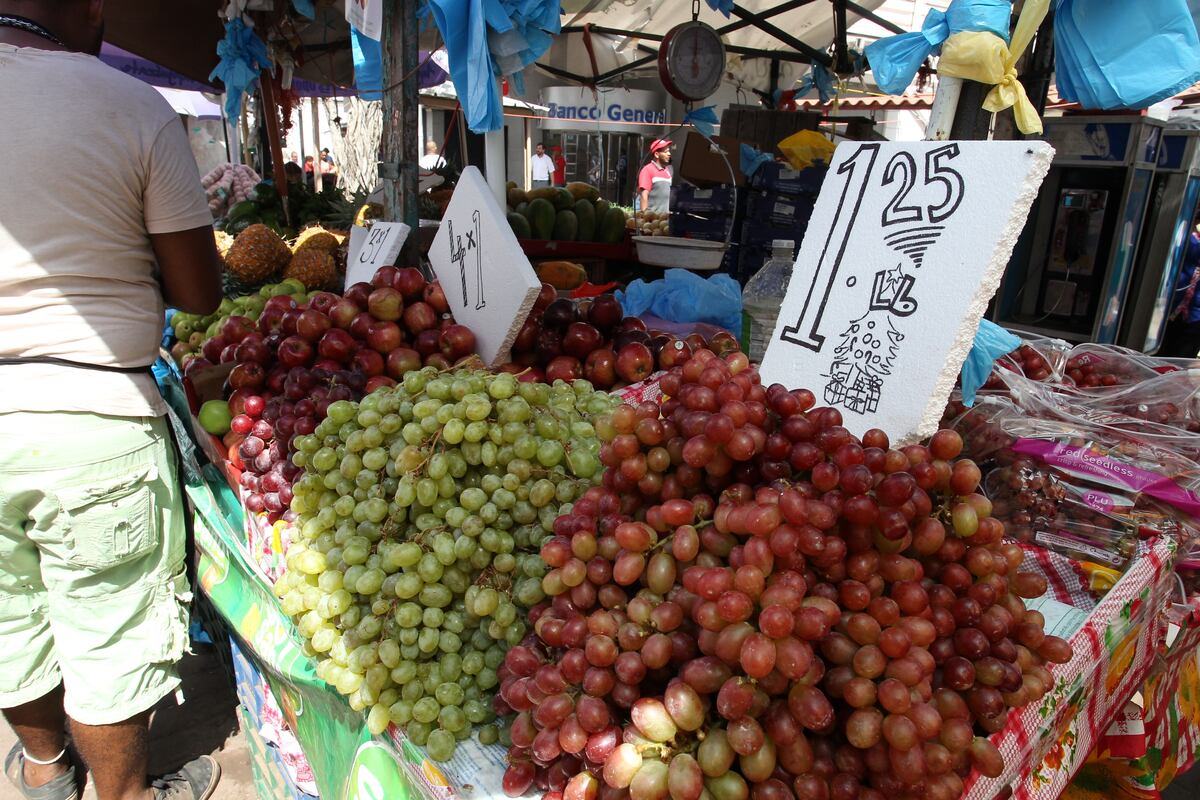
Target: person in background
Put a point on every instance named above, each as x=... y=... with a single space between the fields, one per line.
x=432 y=159
x=295 y=159
x=541 y=168
x=328 y=171
x=654 y=180
x=293 y=172
x=308 y=171
x=560 y=166
x=1182 y=339
x=93 y=585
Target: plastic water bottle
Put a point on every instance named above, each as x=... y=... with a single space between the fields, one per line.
x=762 y=297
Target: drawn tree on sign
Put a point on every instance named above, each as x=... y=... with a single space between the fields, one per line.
x=863 y=357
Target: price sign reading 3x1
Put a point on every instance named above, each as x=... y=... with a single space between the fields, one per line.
x=905 y=247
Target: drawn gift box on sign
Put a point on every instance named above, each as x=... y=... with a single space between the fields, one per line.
x=905 y=247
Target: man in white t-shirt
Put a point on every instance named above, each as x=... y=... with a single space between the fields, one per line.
x=541 y=168
x=102 y=219
x=431 y=160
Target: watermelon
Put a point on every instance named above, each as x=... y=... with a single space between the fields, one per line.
x=541 y=218
x=566 y=226
x=586 y=214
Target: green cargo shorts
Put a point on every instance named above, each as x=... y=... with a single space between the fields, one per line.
x=93 y=591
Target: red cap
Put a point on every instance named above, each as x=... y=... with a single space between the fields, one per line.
x=659 y=144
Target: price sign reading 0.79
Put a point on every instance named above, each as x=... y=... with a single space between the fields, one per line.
x=904 y=248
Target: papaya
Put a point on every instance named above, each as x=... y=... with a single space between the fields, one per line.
x=519 y=225
x=544 y=193
x=565 y=275
x=515 y=196
x=541 y=218
x=562 y=199
x=612 y=228
x=601 y=207
x=566 y=226
x=583 y=191
x=585 y=212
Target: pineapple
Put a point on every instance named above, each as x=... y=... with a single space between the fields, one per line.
x=257 y=254
x=316 y=238
x=314 y=268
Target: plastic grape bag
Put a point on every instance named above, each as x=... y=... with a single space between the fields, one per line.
x=683 y=296
x=1099 y=366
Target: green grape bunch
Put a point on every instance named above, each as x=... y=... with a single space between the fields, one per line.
x=421 y=512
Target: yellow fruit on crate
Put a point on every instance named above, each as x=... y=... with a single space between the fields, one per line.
x=257 y=254
x=312 y=267
x=224 y=242
x=564 y=275
x=315 y=238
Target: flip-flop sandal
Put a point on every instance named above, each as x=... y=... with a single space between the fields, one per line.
x=60 y=788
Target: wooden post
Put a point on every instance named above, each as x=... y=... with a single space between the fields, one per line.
x=271 y=121
x=399 y=148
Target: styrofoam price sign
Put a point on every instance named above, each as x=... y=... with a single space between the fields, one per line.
x=488 y=281
x=372 y=248
x=905 y=247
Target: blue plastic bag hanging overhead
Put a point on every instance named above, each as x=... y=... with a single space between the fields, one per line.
x=991 y=342
x=819 y=78
x=682 y=296
x=895 y=59
x=368 y=65
x=1125 y=55
x=243 y=57
x=703 y=119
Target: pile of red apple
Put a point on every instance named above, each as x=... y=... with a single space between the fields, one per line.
x=594 y=340
x=298 y=359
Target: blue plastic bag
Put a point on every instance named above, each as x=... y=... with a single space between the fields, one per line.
x=243 y=56
x=896 y=59
x=1124 y=55
x=683 y=296
x=368 y=65
x=991 y=342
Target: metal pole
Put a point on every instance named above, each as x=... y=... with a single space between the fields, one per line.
x=945 y=105
x=399 y=147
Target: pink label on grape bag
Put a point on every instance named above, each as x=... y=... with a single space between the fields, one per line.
x=1083 y=462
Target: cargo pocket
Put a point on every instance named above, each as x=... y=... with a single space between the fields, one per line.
x=173 y=610
x=111 y=524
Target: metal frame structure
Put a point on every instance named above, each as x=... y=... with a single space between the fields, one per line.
x=797 y=52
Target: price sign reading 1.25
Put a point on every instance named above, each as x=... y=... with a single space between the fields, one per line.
x=905 y=247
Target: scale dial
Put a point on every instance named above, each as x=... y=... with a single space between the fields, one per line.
x=691 y=61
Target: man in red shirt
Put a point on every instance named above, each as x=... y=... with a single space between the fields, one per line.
x=654 y=181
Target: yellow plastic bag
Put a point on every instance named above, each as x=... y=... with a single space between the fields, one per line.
x=805 y=148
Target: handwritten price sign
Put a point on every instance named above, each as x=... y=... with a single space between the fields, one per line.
x=905 y=247
x=489 y=283
x=372 y=248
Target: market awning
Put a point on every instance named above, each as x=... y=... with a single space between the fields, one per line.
x=625 y=37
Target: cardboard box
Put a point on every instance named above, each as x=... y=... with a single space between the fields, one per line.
x=704 y=163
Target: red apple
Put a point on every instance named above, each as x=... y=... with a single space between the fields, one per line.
x=312 y=325
x=622 y=338
x=386 y=303
x=358 y=293
x=289 y=321
x=532 y=375
x=337 y=345
x=283 y=302
x=723 y=343
x=438 y=360
x=384 y=337
x=323 y=301
x=605 y=312
x=695 y=341
x=253 y=350
x=582 y=308
x=558 y=315
x=402 y=360
x=410 y=283
x=237 y=328
x=247 y=376
x=527 y=336
x=237 y=402
x=631 y=324
x=428 y=342
x=229 y=354
x=196 y=364
x=457 y=342
x=635 y=362
x=436 y=298
x=549 y=345
x=546 y=295
x=368 y=362
x=213 y=347
x=383 y=277
x=361 y=326
x=343 y=313
x=378 y=382
x=674 y=353
x=564 y=368
x=526 y=358
x=601 y=368
x=420 y=317
x=327 y=364
x=295 y=351
x=581 y=339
